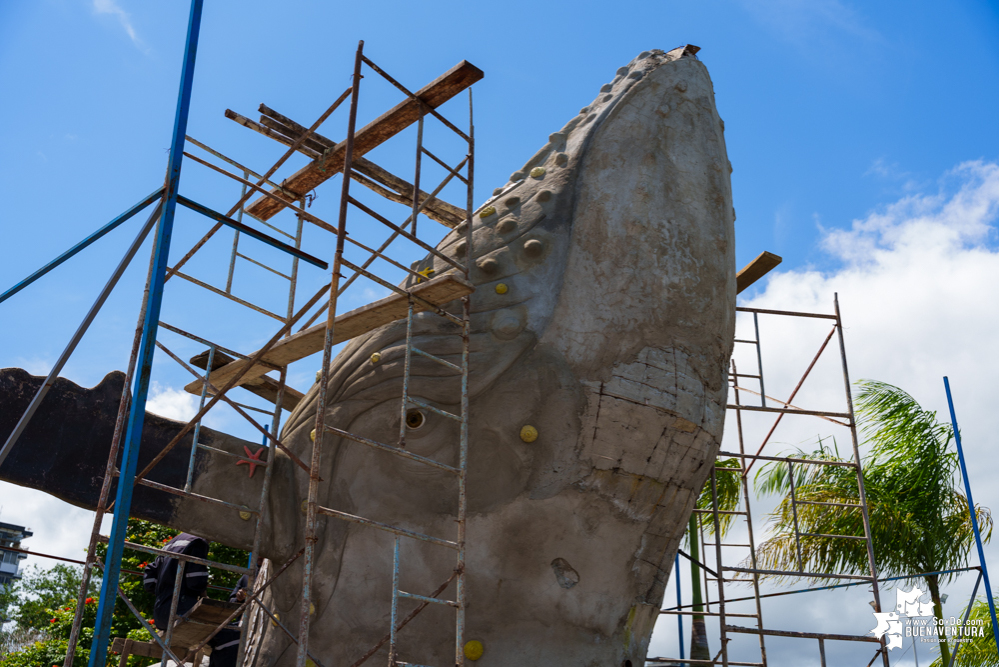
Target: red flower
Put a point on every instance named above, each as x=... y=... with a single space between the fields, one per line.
x=143 y=564
x=52 y=621
x=152 y=621
x=88 y=601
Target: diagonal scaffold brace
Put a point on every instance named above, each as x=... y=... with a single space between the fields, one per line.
x=136 y=417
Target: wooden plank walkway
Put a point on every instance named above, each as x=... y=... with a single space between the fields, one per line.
x=438 y=291
x=264 y=387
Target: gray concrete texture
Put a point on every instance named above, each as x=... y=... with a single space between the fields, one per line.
x=603 y=318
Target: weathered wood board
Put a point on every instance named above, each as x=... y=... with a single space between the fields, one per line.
x=375 y=133
x=438 y=291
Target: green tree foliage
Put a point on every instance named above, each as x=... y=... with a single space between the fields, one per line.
x=45 y=600
x=727 y=489
x=39 y=591
x=919 y=518
x=977 y=651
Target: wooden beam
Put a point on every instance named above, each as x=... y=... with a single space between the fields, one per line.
x=447 y=214
x=438 y=209
x=438 y=291
x=311 y=143
x=268 y=132
x=135 y=647
x=207 y=610
x=755 y=270
x=187 y=634
x=375 y=133
x=293 y=129
x=401 y=191
x=264 y=387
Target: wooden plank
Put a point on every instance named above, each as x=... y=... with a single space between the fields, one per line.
x=439 y=291
x=187 y=634
x=375 y=133
x=210 y=611
x=438 y=209
x=755 y=270
x=264 y=387
x=286 y=131
x=144 y=649
x=268 y=132
x=443 y=212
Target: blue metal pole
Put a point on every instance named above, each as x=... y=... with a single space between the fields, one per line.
x=974 y=517
x=679 y=601
x=158 y=194
x=137 y=413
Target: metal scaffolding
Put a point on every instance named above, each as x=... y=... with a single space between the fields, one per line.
x=721 y=572
x=219 y=369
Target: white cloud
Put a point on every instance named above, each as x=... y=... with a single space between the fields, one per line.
x=60 y=529
x=801 y=22
x=918 y=287
x=179 y=405
x=171 y=403
x=111 y=7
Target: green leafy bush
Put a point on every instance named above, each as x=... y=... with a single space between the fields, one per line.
x=45 y=601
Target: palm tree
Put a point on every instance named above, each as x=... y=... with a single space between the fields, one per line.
x=919 y=518
x=978 y=650
x=728 y=487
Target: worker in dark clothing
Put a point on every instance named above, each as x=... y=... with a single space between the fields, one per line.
x=159 y=578
x=239 y=593
x=160 y=575
x=226 y=647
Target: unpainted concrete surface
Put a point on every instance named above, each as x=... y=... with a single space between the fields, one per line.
x=615 y=245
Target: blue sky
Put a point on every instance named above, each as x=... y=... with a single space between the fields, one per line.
x=863 y=140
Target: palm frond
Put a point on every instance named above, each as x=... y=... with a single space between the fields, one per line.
x=977 y=651
x=919 y=519
x=728 y=487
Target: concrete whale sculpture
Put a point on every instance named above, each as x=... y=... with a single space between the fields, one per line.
x=602 y=325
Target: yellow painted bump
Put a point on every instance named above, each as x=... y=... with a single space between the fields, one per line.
x=684 y=425
x=474 y=650
x=312 y=609
x=376 y=357
x=502 y=288
x=305 y=507
x=319 y=375
x=309 y=662
x=538 y=172
x=528 y=433
x=312 y=436
x=487 y=211
x=244 y=515
x=274 y=620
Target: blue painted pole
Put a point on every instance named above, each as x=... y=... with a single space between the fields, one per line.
x=158 y=194
x=679 y=602
x=974 y=517
x=137 y=413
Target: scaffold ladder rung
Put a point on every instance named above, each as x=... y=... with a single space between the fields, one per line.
x=440 y=361
x=427 y=406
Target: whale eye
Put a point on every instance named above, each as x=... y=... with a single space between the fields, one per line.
x=415 y=419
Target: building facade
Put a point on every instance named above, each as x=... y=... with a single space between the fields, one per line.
x=10 y=561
